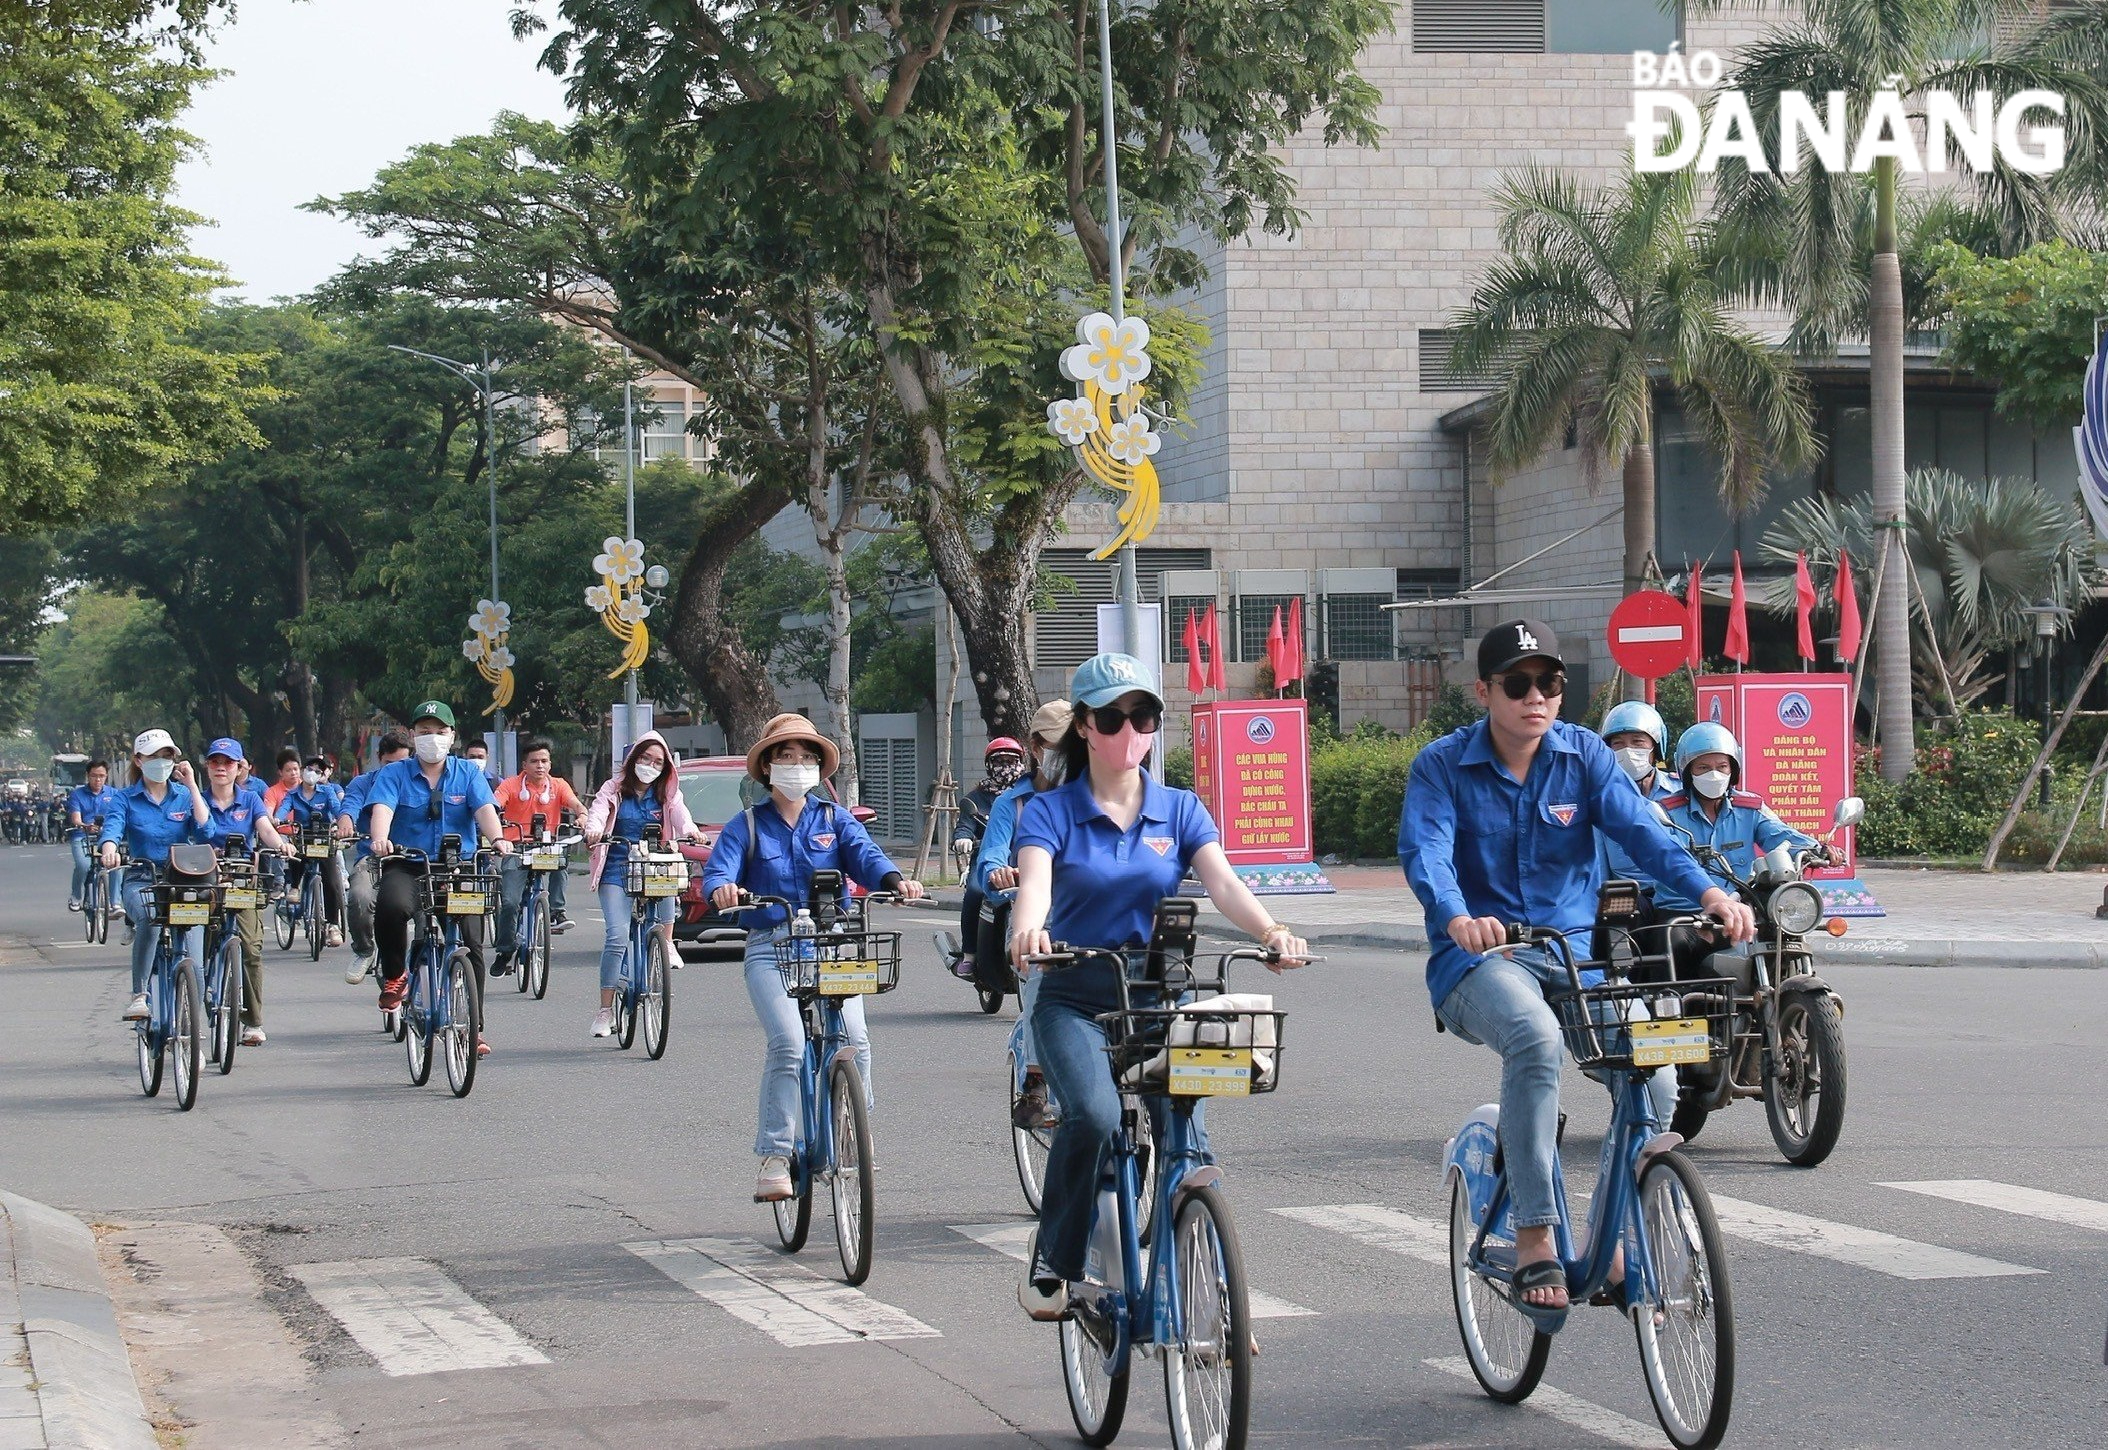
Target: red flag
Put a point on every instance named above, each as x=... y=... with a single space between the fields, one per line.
x=1211 y=629
x=1738 y=619
x=1847 y=609
x=1196 y=680
x=1804 y=607
x=1276 y=647
x=1694 y=601
x=1294 y=645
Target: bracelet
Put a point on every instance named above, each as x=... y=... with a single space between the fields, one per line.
x=1273 y=927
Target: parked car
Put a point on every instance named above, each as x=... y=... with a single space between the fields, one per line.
x=715 y=789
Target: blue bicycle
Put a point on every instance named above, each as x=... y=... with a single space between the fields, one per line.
x=843 y=958
x=180 y=896
x=542 y=855
x=313 y=846
x=1192 y=1306
x=442 y=1013
x=1653 y=1248
x=239 y=892
x=644 y=990
x=99 y=895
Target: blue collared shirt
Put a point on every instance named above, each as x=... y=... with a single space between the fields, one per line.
x=463 y=790
x=354 y=808
x=1476 y=842
x=238 y=819
x=998 y=835
x=299 y=807
x=826 y=838
x=148 y=827
x=1745 y=830
x=90 y=804
x=1617 y=866
x=1107 y=881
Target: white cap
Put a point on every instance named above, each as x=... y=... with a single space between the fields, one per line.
x=150 y=741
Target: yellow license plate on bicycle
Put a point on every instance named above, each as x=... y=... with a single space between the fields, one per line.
x=1679 y=1039
x=1211 y=1072
x=545 y=860
x=848 y=979
x=241 y=898
x=189 y=913
x=466 y=903
x=665 y=883
x=317 y=851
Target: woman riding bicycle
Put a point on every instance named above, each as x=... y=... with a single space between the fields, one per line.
x=1094 y=858
x=313 y=806
x=234 y=808
x=162 y=808
x=772 y=850
x=645 y=792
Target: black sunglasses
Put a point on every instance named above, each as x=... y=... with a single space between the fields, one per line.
x=1146 y=716
x=1517 y=684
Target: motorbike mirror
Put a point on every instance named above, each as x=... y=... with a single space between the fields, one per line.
x=1661 y=817
x=1849 y=812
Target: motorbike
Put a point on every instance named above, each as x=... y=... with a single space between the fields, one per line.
x=55 y=823
x=992 y=979
x=1784 y=1022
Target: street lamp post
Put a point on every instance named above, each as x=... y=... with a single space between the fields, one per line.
x=481 y=379
x=1115 y=233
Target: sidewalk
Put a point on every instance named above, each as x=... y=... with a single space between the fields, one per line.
x=65 y=1380
x=1935 y=918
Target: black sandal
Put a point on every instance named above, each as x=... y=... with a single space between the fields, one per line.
x=1541 y=1274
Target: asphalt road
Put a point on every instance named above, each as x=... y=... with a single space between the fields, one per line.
x=533 y=1196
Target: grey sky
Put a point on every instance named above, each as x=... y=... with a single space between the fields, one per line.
x=320 y=95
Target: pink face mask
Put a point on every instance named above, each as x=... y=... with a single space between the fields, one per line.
x=1124 y=751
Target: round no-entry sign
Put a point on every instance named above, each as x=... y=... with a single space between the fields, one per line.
x=1649 y=634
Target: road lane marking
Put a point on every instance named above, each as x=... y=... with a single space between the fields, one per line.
x=2011 y=1198
x=1009 y=1239
x=1569 y=1410
x=1384 y=1228
x=412 y=1318
x=1899 y=1258
x=776 y=1294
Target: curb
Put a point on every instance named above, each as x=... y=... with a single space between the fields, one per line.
x=84 y=1382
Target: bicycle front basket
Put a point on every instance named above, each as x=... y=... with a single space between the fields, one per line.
x=656 y=875
x=238 y=888
x=839 y=963
x=457 y=893
x=1225 y=1046
x=182 y=904
x=1624 y=1025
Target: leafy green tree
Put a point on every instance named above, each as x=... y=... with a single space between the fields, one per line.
x=104 y=391
x=1601 y=292
x=28 y=576
x=2026 y=322
x=107 y=672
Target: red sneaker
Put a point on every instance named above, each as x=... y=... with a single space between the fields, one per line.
x=393 y=990
x=482 y=1047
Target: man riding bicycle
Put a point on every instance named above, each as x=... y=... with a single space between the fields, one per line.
x=535 y=791
x=313 y=805
x=1498 y=828
x=355 y=817
x=85 y=805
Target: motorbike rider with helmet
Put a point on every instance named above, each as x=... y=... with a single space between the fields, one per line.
x=1004 y=761
x=1639 y=738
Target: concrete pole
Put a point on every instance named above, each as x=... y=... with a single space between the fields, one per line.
x=1129 y=584
x=490 y=468
x=629 y=531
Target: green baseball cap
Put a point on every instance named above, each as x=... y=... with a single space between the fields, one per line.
x=434 y=710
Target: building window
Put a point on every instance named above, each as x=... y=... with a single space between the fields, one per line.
x=1436 y=344
x=1558 y=27
x=1075 y=584
x=1255 y=616
x=1176 y=609
x=1357 y=627
x=664 y=425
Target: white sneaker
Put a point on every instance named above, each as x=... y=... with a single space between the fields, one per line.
x=1043 y=1304
x=356 y=972
x=252 y=1037
x=137 y=1011
x=335 y=938
x=603 y=1022
x=774 y=1184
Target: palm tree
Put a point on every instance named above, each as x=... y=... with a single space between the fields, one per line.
x=1826 y=244
x=1984 y=554
x=1602 y=293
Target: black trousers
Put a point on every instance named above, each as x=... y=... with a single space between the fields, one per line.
x=970 y=921
x=296 y=871
x=394 y=912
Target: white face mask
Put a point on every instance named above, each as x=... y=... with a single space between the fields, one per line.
x=431 y=749
x=1637 y=761
x=647 y=772
x=1712 y=784
x=795 y=781
x=1053 y=767
x=157 y=770
x=312 y=777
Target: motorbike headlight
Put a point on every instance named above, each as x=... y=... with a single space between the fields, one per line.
x=1796 y=908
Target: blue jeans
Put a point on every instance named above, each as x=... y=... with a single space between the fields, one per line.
x=139 y=905
x=1021 y=1030
x=512 y=891
x=614 y=905
x=1071 y=1052
x=1501 y=1004
x=81 y=867
x=782 y=1112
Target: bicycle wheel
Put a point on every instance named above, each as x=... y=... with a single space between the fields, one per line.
x=1506 y=1351
x=794 y=1214
x=655 y=1002
x=855 y=1218
x=537 y=958
x=464 y=1022
x=626 y=994
x=109 y=909
x=991 y=1002
x=283 y=923
x=416 y=1020
x=186 y=1038
x=226 y=1022
x=533 y=929
x=1689 y=1357
x=91 y=901
x=1028 y=1145
x=311 y=910
x=1097 y=1392
x=1208 y=1370
x=1804 y=1099
x=150 y=1045
x=1145 y=1161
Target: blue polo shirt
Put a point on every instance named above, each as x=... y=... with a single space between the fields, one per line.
x=999 y=836
x=148 y=827
x=323 y=806
x=463 y=790
x=90 y=805
x=1474 y=841
x=1107 y=881
x=238 y=819
x=782 y=860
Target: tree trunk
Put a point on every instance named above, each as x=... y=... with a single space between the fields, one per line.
x=1885 y=379
x=733 y=682
x=1639 y=536
x=2049 y=748
x=837 y=725
x=299 y=679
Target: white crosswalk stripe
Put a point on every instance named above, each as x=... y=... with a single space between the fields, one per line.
x=2011 y=1198
x=1569 y=1410
x=412 y=1318
x=1384 y=1228
x=1010 y=1240
x=1845 y=1243
x=776 y=1294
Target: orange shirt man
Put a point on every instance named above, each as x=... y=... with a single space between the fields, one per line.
x=535 y=791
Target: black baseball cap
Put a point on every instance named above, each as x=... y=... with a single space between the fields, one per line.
x=1510 y=643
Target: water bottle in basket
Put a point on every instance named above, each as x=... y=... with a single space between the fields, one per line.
x=803 y=945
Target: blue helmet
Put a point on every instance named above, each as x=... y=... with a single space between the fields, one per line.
x=1641 y=716
x=1708 y=737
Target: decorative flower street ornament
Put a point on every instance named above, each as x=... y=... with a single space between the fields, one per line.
x=620 y=601
x=489 y=627
x=1105 y=422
